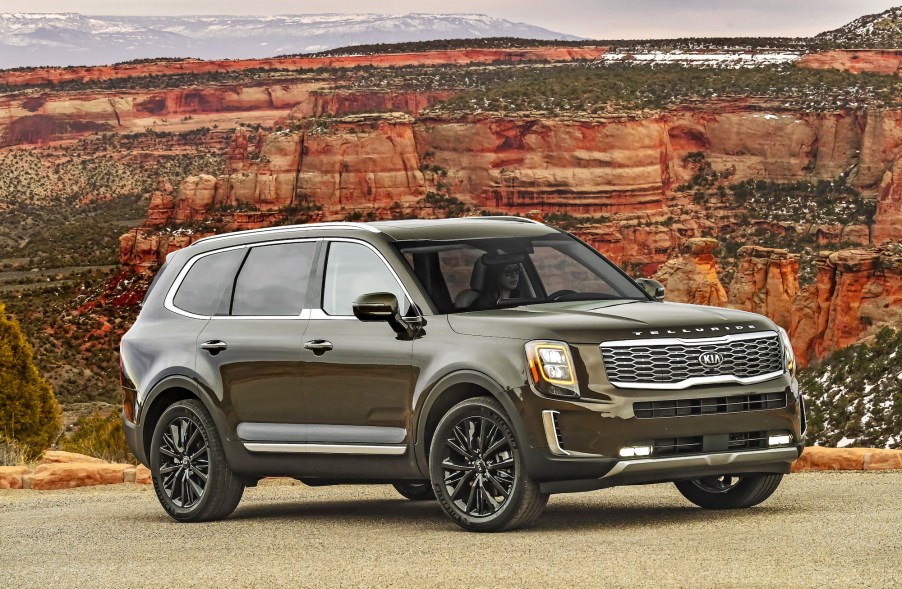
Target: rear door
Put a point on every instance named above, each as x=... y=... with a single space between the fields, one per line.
x=251 y=350
x=359 y=379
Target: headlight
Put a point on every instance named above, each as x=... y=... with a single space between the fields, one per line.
x=551 y=368
x=788 y=355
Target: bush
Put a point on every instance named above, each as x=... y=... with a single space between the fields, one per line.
x=11 y=452
x=100 y=436
x=29 y=413
x=854 y=396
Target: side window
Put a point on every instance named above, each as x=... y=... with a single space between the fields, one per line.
x=208 y=280
x=273 y=280
x=353 y=270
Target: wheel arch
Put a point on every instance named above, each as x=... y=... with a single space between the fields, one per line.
x=171 y=389
x=450 y=390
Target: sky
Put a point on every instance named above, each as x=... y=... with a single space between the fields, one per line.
x=600 y=19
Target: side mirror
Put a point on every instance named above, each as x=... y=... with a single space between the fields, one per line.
x=381 y=306
x=654 y=288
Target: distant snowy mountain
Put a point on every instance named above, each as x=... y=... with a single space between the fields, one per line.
x=33 y=39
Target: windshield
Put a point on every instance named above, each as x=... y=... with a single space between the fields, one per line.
x=492 y=273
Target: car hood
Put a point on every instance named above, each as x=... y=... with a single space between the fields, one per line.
x=598 y=321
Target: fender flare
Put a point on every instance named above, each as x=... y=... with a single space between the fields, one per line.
x=469 y=377
x=172 y=381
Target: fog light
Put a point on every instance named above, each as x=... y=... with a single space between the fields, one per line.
x=633 y=451
x=779 y=440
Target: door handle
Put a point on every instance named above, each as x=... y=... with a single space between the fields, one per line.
x=318 y=346
x=214 y=346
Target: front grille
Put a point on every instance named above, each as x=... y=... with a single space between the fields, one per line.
x=664 y=447
x=687 y=407
x=675 y=363
x=748 y=441
x=669 y=447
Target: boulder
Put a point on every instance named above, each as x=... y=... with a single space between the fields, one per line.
x=11 y=476
x=819 y=458
x=77 y=474
x=60 y=457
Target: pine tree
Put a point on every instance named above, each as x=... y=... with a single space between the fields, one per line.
x=29 y=413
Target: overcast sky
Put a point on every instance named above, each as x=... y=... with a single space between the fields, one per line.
x=603 y=19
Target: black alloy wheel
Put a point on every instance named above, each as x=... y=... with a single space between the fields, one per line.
x=191 y=477
x=478 y=472
x=479 y=469
x=729 y=491
x=719 y=484
x=184 y=462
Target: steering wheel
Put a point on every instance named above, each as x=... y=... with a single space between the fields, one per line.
x=560 y=293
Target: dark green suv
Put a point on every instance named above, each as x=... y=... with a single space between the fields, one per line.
x=483 y=362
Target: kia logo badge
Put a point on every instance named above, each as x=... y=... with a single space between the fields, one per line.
x=710 y=359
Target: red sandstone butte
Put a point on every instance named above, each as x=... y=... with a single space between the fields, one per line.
x=857 y=291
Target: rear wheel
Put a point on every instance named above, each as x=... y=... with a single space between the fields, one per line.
x=415 y=491
x=728 y=491
x=190 y=475
x=478 y=472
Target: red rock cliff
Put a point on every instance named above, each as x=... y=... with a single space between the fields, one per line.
x=879 y=61
x=857 y=292
x=55 y=75
x=766 y=282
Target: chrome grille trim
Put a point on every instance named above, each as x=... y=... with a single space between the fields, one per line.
x=672 y=364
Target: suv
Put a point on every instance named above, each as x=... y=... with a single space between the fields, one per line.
x=483 y=362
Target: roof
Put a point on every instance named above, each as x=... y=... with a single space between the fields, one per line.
x=408 y=229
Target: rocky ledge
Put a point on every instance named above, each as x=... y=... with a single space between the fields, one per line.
x=66 y=470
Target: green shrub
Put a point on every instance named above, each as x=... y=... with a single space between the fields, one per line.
x=100 y=436
x=29 y=413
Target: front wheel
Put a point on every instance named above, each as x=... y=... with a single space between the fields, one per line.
x=729 y=492
x=478 y=472
x=190 y=475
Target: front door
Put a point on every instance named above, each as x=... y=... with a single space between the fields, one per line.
x=358 y=381
x=252 y=350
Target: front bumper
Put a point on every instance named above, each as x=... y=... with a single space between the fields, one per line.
x=580 y=449
x=660 y=470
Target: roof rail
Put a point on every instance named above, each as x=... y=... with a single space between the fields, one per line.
x=304 y=227
x=513 y=218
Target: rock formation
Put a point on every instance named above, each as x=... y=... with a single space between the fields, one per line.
x=766 y=282
x=888 y=220
x=56 y=75
x=858 y=291
x=692 y=277
x=878 y=61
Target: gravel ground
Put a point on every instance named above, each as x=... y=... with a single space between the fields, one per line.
x=818 y=530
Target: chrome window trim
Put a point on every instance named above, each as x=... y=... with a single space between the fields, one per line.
x=672 y=341
x=169 y=303
x=318 y=313
x=370 y=449
x=304 y=227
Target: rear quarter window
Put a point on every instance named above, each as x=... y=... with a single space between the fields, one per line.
x=208 y=282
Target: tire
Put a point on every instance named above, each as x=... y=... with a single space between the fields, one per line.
x=186 y=430
x=729 y=492
x=478 y=470
x=415 y=491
